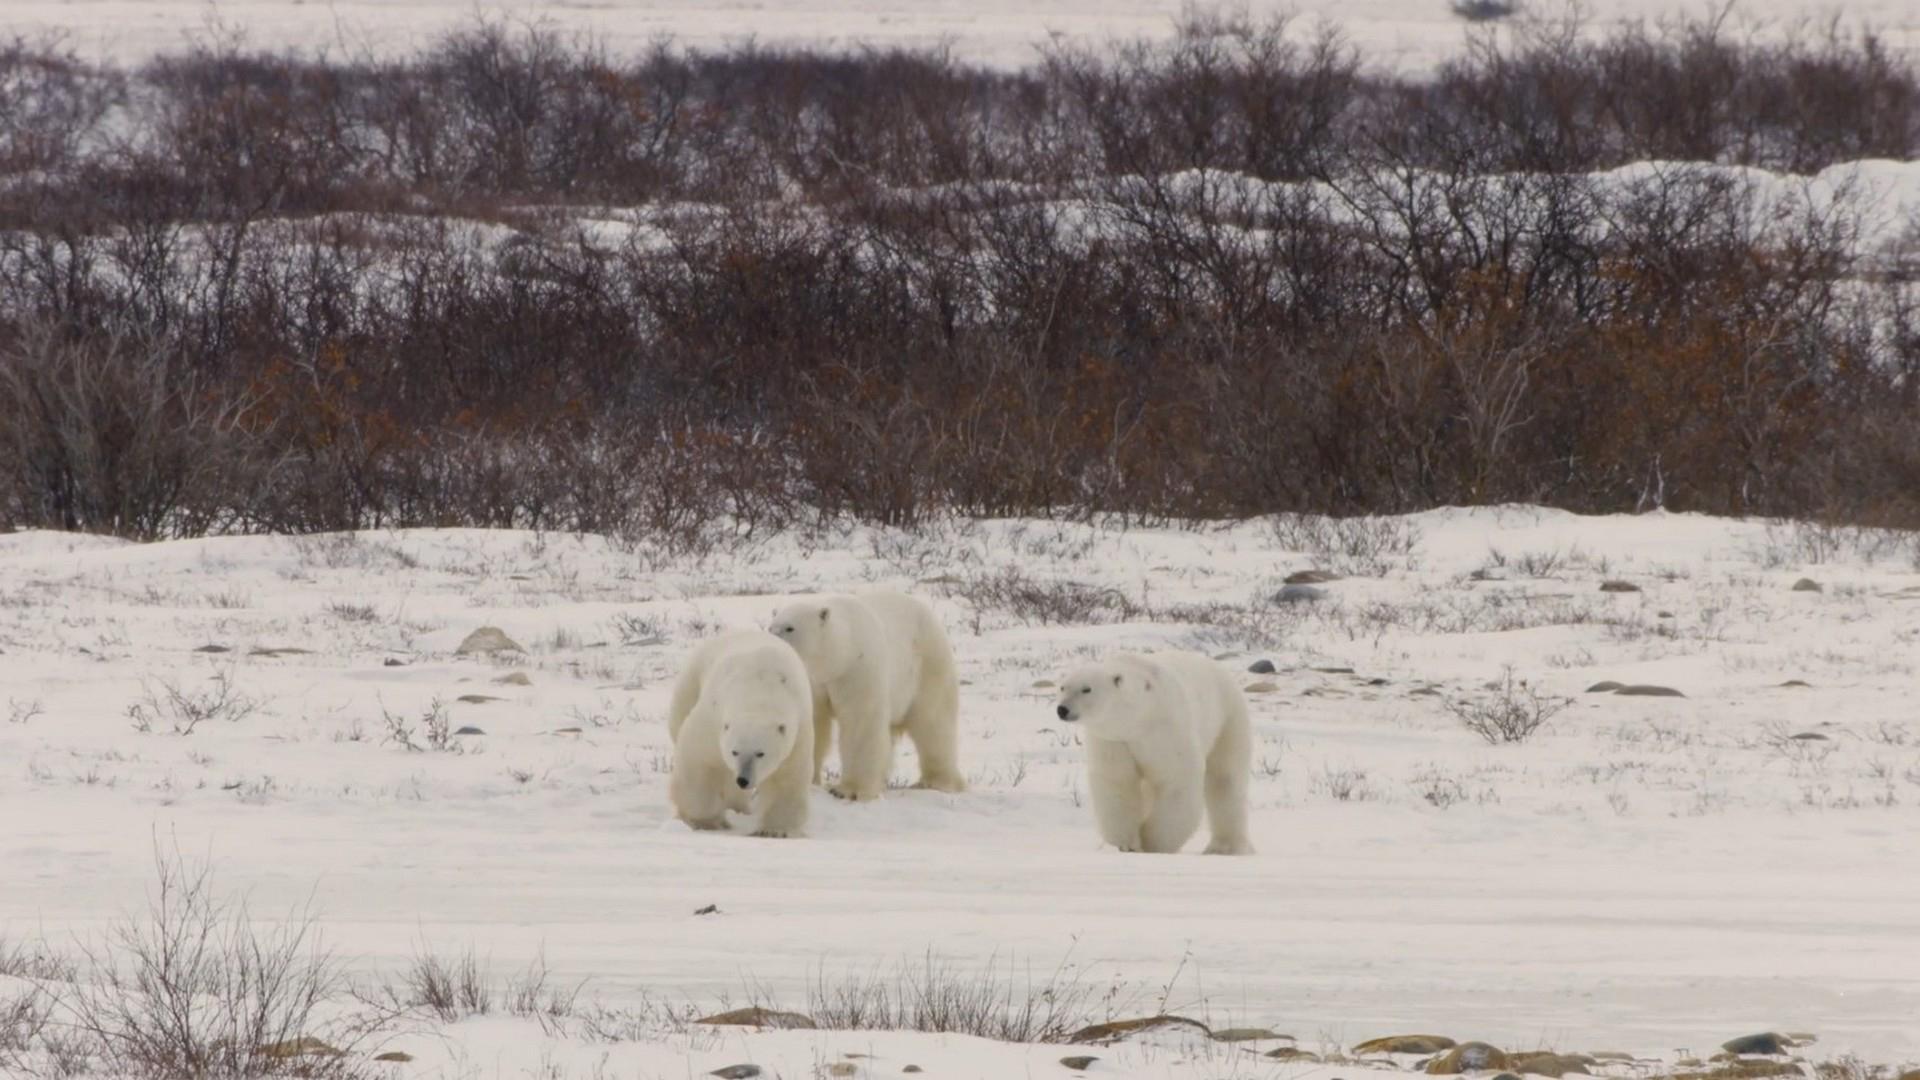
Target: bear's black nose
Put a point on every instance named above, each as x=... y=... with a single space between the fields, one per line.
x=742 y=781
x=1061 y=712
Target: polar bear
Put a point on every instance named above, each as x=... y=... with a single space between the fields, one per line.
x=881 y=665
x=1166 y=733
x=741 y=722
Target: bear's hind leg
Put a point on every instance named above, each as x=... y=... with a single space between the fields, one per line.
x=933 y=725
x=822 y=736
x=1229 y=768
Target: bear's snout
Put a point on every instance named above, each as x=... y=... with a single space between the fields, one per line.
x=1061 y=712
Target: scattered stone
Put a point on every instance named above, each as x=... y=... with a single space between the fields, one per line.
x=1246 y=1035
x=1262 y=687
x=1333 y=670
x=1605 y=686
x=736 y=1072
x=567 y=731
x=1506 y=1076
x=1117 y=1029
x=272 y=651
x=393 y=1055
x=1549 y=1064
x=1488 y=573
x=213 y=649
x=710 y=909
x=477 y=699
x=911 y=1068
x=1406 y=1044
x=1261 y=667
x=1618 y=586
x=304 y=1046
x=1299 y=594
x=842 y=1068
x=758 y=1016
x=1767 y=1042
x=1807 y=584
x=1291 y=1053
x=1800 y=684
x=1665 y=614
x=468 y=729
x=391 y=662
x=1810 y=736
x=1078 y=1062
x=1310 y=577
x=1376 y=681
x=487 y=639
x=1648 y=691
x=1044 y=684
x=514 y=678
x=1467 y=1057
x=1612 y=1055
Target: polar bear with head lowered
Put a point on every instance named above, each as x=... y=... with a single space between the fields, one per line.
x=1167 y=733
x=881 y=667
x=741 y=721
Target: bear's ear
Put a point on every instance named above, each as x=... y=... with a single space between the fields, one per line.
x=1116 y=680
x=824 y=612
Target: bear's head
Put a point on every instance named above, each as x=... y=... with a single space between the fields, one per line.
x=819 y=632
x=758 y=728
x=1112 y=698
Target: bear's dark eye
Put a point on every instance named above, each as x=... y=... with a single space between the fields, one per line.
x=1086 y=689
x=783 y=729
x=760 y=754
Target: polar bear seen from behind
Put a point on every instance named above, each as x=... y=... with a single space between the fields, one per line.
x=1167 y=734
x=881 y=666
x=741 y=721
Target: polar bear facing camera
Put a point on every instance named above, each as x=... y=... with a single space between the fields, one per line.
x=1167 y=734
x=881 y=667
x=741 y=722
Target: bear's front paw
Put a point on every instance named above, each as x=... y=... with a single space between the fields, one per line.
x=1229 y=847
x=841 y=791
x=718 y=824
x=777 y=834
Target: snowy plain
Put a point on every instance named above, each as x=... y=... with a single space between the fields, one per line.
x=1651 y=875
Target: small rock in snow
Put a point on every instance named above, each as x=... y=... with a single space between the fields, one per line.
x=487 y=639
x=1299 y=594
x=1618 y=586
x=1261 y=667
x=1078 y=1062
x=1807 y=584
x=469 y=730
x=736 y=1072
x=1310 y=577
x=1648 y=691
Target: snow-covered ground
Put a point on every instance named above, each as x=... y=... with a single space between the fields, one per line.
x=1647 y=874
x=1402 y=35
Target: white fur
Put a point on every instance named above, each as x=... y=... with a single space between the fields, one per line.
x=881 y=666
x=1167 y=734
x=743 y=708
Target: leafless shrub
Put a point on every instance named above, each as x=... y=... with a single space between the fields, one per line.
x=1370 y=546
x=196 y=987
x=21 y=712
x=1057 y=602
x=450 y=989
x=1510 y=712
x=935 y=994
x=184 y=709
x=1343 y=784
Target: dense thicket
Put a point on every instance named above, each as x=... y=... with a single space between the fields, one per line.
x=518 y=280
